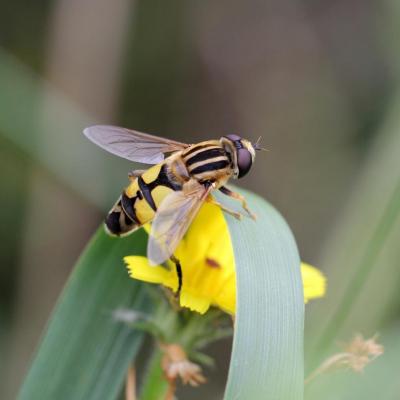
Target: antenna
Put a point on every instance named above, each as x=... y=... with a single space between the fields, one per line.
x=257 y=146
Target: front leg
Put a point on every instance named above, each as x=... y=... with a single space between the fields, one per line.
x=235 y=214
x=239 y=197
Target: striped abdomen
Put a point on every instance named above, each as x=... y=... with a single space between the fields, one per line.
x=207 y=161
x=140 y=200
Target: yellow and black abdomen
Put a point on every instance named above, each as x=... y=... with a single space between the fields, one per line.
x=140 y=200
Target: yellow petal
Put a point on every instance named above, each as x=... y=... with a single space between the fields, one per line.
x=226 y=299
x=208 y=231
x=314 y=282
x=208 y=262
x=195 y=303
x=139 y=268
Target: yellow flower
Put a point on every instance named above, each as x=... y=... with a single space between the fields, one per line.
x=314 y=282
x=208 y=266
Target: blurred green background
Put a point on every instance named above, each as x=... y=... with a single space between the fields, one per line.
x=318 y=80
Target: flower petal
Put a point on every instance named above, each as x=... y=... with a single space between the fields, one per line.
x=207 y=230
x=140 y=268
x=195 y=303
x=314 y=282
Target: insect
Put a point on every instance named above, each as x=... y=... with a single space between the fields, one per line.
x=170 y=193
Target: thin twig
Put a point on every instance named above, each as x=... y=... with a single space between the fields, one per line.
x=335 y=360
x=130 y=387
x=170 y=395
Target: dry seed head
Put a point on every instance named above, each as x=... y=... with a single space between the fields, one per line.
x=356 y=356
x=176 y=364
x=364 y=347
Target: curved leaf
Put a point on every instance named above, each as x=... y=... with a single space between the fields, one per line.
x=267 y=357
x=85 y=353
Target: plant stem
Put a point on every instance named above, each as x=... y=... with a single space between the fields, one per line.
x=155 y=386
x=130 y=389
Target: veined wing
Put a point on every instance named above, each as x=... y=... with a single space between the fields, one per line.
x=132 y=145
x=172 y=220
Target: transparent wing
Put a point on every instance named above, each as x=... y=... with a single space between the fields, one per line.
x=172 y=220
x=132 y=145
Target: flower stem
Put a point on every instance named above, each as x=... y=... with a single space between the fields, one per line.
x=155 y=386
x=130 y=389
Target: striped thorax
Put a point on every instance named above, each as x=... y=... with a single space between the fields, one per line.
x=208 y=162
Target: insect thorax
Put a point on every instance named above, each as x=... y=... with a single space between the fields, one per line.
x=208 y=161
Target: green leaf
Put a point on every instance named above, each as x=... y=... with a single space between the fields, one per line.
x=267 y=356
x=150 y=328
x=155 y=386
x=85 y=353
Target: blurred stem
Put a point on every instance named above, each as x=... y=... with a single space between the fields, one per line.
x=375 y=245
x=191 y=331
x=130 y=389
x=155 y=386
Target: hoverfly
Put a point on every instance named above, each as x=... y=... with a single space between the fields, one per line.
x=170 y=193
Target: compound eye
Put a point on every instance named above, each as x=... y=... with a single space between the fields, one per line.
x=233 y=137
x=244 y=162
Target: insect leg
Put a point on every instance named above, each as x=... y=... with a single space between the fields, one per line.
x=239 y=197
x=178 y=273
x=237 y=215
x=135 y=174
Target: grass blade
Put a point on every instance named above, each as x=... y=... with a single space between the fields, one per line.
x=267 y=357
x=85 y=353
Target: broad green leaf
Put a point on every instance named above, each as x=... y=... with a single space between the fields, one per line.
x=85 y=353
x=267 y=356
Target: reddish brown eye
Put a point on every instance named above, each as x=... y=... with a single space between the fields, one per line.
x=244 y=161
